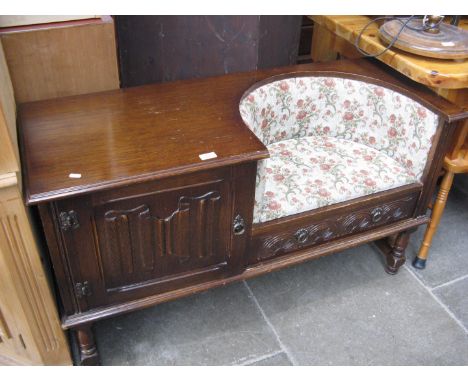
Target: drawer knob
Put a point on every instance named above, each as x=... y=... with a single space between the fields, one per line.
x=238 y=225
x=302 y=235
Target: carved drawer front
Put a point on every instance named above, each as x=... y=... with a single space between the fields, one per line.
x=144 y=242
x=317 y=230
x=139 y=243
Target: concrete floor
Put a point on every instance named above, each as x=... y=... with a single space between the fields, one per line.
x=339 y=310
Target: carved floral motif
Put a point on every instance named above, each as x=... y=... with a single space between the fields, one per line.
x=334 y=227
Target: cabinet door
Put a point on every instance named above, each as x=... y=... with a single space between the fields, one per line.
x=150 y=238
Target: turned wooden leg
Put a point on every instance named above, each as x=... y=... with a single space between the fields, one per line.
x=395 y=258
x=437 y=211
x=88 y=352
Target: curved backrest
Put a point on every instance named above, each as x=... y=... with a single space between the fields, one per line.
x=343 y=108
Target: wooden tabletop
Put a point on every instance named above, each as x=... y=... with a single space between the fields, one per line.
x=122 y=136
x=446 y=74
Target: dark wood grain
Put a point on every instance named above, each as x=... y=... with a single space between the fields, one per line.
x=168 y=48
x=290 y=234
x=278 y=41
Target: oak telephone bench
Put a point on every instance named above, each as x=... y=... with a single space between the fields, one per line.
x=151 y=193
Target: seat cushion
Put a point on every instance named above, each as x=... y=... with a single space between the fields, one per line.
x=311 y=172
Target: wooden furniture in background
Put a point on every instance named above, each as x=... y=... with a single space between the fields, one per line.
x=17 y=20
x=335 y=35
x=9 y=156
x=61 y=59
x=30 y=331
x=455 y=162
x=168 y=48
x=134 y=217
x=440 y=41
x=305 y=41
x=343 y=30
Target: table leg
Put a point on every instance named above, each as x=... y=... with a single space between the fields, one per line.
x=396 y=257
x=439 y=205
x=88 y=352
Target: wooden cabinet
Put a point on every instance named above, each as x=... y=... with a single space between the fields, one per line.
x=61 y=58
x=132 y=242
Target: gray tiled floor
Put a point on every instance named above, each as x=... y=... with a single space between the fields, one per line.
x=338 y=310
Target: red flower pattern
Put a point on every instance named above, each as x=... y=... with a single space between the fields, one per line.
x=348 y=110
x=348 y=116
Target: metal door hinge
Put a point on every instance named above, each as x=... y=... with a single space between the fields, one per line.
x=68 y=220
x=82 y=289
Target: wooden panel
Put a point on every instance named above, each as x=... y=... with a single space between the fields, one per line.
x=159 y=48
x=167 y=48
x=8 y=137
x=29 y=315
x=11 y=345
x=140 y=244
x=61 y=59
x=278 y=41
x=325 y=224
x=322 y=42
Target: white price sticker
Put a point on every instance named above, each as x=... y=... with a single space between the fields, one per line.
x=206 y=156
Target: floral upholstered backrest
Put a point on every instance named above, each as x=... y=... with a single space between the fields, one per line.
x=343 y=108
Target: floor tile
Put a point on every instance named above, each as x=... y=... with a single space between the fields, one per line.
x=455 y=297
x=280 y=359
x=345 y=310
x=220 y=327
x=461 y=182
x=448 y=258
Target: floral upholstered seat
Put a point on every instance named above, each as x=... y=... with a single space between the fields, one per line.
x=310 y=172
x=332 y=140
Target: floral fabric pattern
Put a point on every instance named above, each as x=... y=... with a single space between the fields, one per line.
x=357 y=111
x=311 y=172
